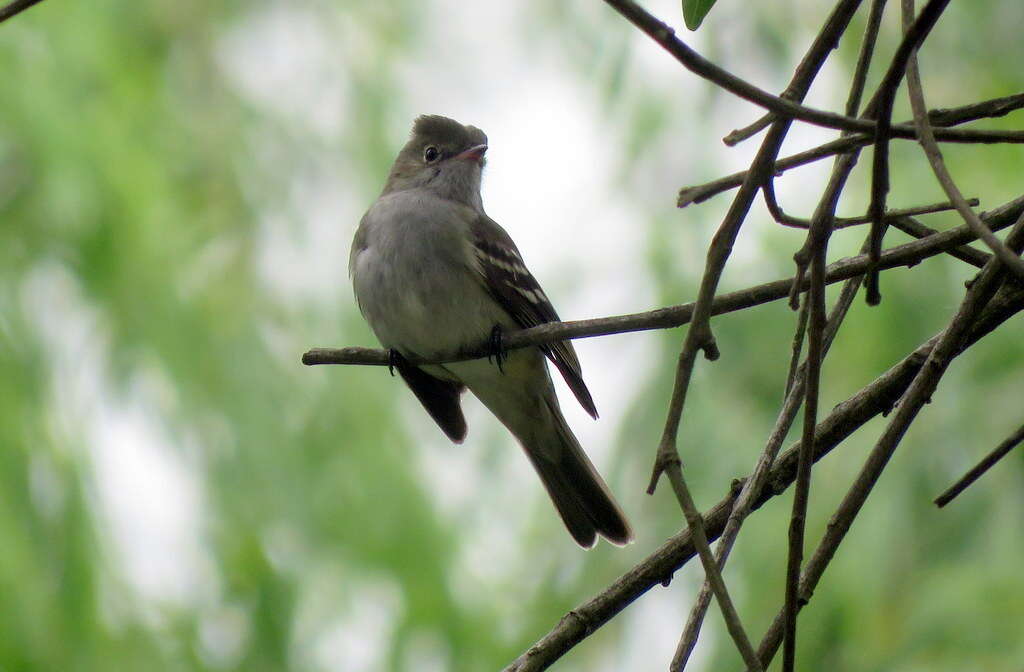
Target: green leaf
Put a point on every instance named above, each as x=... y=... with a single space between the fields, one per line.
x=694 y=12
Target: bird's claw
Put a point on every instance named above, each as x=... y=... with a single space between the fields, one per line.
x=393 y=359
x=497 y=353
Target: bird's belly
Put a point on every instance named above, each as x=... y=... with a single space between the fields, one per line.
x=426 y=310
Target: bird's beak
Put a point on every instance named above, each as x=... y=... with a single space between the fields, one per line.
x=473 y=153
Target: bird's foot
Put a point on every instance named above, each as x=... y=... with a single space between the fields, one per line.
x=498 y=353
x=394 y=360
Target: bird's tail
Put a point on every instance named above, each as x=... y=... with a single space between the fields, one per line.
x=579 y=493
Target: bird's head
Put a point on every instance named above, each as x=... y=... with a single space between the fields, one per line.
x=442 y=156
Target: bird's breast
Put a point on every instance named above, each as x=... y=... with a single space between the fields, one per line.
x=416 y=289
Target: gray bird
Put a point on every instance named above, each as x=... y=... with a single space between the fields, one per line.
x=433 y=274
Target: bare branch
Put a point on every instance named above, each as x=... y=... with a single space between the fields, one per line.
x=813 y=252
x=665 y=36
x=1000 y=451
x=913 y=36
x=938 y=164
x=997 y=107
x=699 y=336
x=740 y=134
x=946 y=346
x=658 y=568
x=890 y=215
x=966 y=253
x=16 y=7
x=712 y=574
x=754 y=484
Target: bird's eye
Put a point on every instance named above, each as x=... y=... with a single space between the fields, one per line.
x=431 y=154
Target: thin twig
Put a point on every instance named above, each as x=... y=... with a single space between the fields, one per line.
x=814 y=252
x=801 y=493
x=796 y=381
x=846 y=222
x=941 y=118
x=815 y=247
x=665 y=36
x=1000 y=451
x=753 y=485
x=16 y=7
x=966 y=253
x=913 y=36
x=694 y=523
x=938 y=164
x=740 y=134
x=797 y=347
x=784 y=107
x=864 y=57
x=856 y=90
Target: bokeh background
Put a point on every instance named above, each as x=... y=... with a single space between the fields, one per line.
x=179 y=184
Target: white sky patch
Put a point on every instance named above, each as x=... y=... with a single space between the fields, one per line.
x=290 y=63
x=148 y=497
x=151 y=499
x=303 y=249
x=653 y=625
x=426 y=652
x=285 y=58
x=223 y=633
x=345 y=622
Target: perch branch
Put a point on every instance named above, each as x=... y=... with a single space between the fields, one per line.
x=908 y=254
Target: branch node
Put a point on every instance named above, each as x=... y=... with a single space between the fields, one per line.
x=667 y=457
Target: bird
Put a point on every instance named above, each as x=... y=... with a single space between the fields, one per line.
x=433 y=274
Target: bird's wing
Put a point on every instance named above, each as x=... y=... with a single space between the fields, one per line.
x=507 y=279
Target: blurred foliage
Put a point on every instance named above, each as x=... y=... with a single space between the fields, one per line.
x=141 y=194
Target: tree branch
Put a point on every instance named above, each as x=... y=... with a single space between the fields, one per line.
x=658 y=568
x=1000 y=451
x=996 y=107
x=17 y=7
x=665 y=36
x=712 y=575
x=931 y=150
x=954 y=339
x=754 y=484
x=908 y=254
x=913 y=36
x=699 y=336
